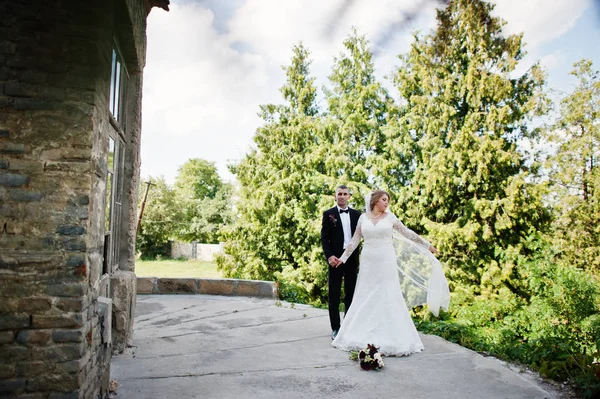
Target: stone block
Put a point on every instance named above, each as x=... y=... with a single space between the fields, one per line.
x=7 y=337
x=146 y=285
x=8 y=305
x=67 y=290
x=25 y=196
x=61 y=336
x=14 y=386
x=7 y=371
x=28 y=369
x=123 y=294
x=30 y=76
x=29 y=337
x=27 y=166
x=7 y=47
x=74 y=244
x=81 y=200
x=24 y=104
x=53 y=382
x=268 y=289
x=58 y=353
x=4 y=133
x=13 y=353
x=12 y=148
x=120 y=322
x=217 y=286
x=248 y=288
x=177 y=286
x=71 y=230
x=69 y=167
x=69 y=304
x=34 y=305
x=3 y=164
x=73 y=320
x=13 y=180
x=13 y=322
x=68 y=367
x=8 y=211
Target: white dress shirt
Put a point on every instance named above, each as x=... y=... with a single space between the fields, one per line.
x=345 y=217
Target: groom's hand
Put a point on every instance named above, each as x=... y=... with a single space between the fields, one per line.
x=334 y=261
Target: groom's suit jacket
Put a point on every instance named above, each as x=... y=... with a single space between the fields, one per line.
x=332 y=233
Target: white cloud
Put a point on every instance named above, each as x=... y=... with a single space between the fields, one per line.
x=207 y=74
x=541 y=21
x=552 y=60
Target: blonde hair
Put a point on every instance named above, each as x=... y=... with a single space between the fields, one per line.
x=376 y=196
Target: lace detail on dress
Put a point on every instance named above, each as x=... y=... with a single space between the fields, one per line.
x=353 y=244
x=408 y=233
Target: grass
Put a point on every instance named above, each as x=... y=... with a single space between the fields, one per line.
x=176 y=268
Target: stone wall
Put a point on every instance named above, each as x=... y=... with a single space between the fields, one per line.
x=60 y=312
x=208 y=286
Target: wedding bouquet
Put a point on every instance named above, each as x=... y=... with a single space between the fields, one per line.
x=369 y=358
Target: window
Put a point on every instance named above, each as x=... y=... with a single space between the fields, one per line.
x=118 y=84
x=115 y=161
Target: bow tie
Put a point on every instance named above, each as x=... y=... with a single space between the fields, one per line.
x=344 y=210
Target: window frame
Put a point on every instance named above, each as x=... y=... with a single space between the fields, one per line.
x=117 y=100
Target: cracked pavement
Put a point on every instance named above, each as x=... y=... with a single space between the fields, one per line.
x=204 y=346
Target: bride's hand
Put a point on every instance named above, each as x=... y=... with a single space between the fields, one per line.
x=433 y=250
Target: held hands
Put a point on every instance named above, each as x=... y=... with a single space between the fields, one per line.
x=334 y=261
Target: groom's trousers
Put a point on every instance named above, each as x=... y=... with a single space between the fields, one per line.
x=346 y=272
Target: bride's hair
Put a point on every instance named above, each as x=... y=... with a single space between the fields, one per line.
x=376 y=196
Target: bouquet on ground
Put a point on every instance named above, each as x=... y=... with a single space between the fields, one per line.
x=369 y=358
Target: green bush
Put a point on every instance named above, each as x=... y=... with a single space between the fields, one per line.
x=554 y=328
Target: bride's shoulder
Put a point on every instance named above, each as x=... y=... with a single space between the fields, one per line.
x=391 y=216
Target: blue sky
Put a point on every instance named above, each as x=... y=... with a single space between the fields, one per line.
x=211 y=63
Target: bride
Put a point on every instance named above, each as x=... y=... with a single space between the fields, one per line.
x=379 y=313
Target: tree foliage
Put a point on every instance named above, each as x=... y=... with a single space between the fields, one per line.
x=449 y=152
x=204 y=201
x=281 y=190
x=574 y=172
x=466 y=113
x=160 y=219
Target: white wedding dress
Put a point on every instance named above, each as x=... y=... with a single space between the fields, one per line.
x=378 y=314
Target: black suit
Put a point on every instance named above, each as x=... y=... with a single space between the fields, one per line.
x=332 y=239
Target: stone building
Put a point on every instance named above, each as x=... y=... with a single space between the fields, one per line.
x=70 y=121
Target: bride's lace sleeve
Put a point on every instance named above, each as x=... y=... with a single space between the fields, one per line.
x=353 y=244
x=408 y=233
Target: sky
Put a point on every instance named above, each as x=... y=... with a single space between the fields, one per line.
x=211 y=63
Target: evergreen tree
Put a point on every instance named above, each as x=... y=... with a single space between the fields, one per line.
x=282 y=187
x=359 y=109
x=466 y=112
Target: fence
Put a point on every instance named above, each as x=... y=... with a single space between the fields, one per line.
x=195 y=250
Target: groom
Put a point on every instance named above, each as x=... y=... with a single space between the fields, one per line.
x=337 y=228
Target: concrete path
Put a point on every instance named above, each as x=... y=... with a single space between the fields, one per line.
x=202 y=346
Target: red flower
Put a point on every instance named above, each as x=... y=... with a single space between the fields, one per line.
x=333 y=219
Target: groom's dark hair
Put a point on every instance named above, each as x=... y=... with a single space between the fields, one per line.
x=342 y=187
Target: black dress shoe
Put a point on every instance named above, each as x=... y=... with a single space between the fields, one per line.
x=334 y=334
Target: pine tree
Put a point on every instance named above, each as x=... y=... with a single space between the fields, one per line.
x=282 y=187
x=359 y=109
x=466 y=112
